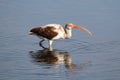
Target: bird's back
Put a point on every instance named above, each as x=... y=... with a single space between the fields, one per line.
x=46 y=32
x=49 y=31
x=53 y=25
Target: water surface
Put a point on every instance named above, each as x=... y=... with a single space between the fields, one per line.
x=93 y=58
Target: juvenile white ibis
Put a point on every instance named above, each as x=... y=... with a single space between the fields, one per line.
x=52 y=32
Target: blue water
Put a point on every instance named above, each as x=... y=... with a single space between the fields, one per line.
x=95 y=58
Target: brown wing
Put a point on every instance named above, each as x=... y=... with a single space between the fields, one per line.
x=47 y=32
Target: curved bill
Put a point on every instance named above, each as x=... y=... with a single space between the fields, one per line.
x=82 y=28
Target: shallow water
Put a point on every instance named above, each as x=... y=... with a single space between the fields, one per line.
x=93 y=58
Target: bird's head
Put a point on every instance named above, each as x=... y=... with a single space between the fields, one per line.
x=70 y=26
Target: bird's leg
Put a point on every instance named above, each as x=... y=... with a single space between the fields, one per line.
x=50 y=45
x=40 y=43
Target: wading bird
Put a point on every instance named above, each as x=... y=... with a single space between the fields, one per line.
x=52 y=32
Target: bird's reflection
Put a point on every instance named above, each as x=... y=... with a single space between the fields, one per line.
x=57 y=57
x=53 y=57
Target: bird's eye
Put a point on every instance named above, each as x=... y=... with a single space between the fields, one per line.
x=66 y=25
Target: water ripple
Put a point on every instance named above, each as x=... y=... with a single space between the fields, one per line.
x=94 y=47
